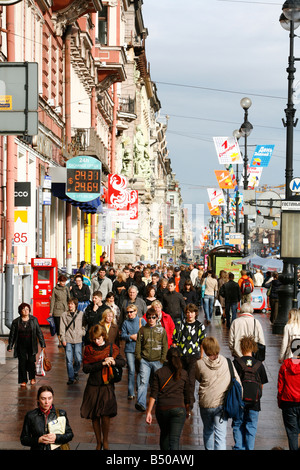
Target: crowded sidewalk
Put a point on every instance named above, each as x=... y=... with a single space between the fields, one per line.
x=129 y=430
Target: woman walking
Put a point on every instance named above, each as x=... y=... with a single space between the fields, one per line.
x=210 y=294
x=170 y=391
x=25 y=333
x=59 y=303
x=99 y=401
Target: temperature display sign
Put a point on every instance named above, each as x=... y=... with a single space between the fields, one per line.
x=83 y=178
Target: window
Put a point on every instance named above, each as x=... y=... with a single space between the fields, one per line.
x=102 y=26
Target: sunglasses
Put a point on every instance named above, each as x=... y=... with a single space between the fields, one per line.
x=131 y=311
x=152 y=317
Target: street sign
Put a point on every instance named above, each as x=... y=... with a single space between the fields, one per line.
x=290 y=205
x=295 y=185
x=269 y=203
x=19 y=98
x=83 y=178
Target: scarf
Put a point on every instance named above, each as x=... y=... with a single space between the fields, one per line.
x=92 y=355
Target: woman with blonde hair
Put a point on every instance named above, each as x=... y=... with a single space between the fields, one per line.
x=109 y=324
x=290 y=332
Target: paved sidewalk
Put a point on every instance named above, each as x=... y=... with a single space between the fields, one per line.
x=129 y=430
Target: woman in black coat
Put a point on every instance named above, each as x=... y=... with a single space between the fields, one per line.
x=25 y=333
x=36 y=433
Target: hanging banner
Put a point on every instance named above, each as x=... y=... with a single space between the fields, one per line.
x=254 y=175
x=224 y=179
x=21 y=228
x=228 y=150
x=134 y=205
x=214 y=210
x=117 y=192
x=161 y=236
x=216 y=197
x=232 y=174
x=262 y=155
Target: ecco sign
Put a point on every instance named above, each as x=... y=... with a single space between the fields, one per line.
x=22 y=194
x=295 y=185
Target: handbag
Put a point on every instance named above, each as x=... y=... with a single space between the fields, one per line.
x=51 y=322
x=46 y=363
x=203 y=287
x=39 y=370
x=117 y=372
x=260 y=354
x=65 y=446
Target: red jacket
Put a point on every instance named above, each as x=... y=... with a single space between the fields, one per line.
x=289 y=382
x=168 y=324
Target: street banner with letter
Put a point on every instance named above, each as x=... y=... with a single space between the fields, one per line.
x=216 y=197
x=262 y=155
x=228 y=150
x=224 y=179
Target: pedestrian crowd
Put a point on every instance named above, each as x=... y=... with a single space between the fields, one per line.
x=147 y=319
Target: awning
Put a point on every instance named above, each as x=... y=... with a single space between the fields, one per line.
x=91 y=207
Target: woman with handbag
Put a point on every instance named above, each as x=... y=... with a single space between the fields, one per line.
x=170 y=391
x=37 y=424
x=291 y=331
x=25 y=334
x=99 y=401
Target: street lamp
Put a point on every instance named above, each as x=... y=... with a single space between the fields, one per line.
x=237 y=134
x=289 y=20
x=246 y=129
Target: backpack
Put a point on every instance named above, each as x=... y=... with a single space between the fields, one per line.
x=246 y=286
x=233 y=401
x=252 y=386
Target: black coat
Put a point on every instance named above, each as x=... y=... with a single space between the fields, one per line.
x=37 y=335
x=231 y=291
x=173 y=304
x=36 y=426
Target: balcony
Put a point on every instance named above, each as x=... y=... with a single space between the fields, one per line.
x=126 y=111
x=85 y=141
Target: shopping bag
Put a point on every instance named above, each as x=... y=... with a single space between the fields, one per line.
x=40 y=365
x=218 y=308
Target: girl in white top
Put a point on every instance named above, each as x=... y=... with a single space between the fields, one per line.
x=290 y=332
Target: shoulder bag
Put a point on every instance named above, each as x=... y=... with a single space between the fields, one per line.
x=116 y=371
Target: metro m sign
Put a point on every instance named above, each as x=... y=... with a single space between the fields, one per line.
x=295 y=185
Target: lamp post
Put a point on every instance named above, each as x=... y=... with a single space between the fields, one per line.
x=289 y=20
x=245 y=130
x=237 y=134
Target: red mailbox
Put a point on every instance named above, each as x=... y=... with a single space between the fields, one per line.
x=44 y=279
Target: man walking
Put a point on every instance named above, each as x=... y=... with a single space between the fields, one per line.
x=173 y=302
x=101 y=283
x=151 y=352
x=232 y=293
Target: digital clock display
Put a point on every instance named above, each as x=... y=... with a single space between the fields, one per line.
x=83 y=181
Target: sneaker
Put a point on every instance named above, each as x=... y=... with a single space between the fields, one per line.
x=130 y=397
x=76 y=378
x=140 y=407
x=70 y=382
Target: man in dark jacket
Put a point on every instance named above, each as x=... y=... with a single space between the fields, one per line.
x=232 y=293
x=173 y=302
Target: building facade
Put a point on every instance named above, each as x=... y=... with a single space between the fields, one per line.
x=95 y=98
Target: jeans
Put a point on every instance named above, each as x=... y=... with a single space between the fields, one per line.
x=208 y=305
x=244 y=430
x=214 y=429
x=233 y=307
x=145 y=370
x=291 y=419
x=73 y=359
x=131 y=372
x=171 y=424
